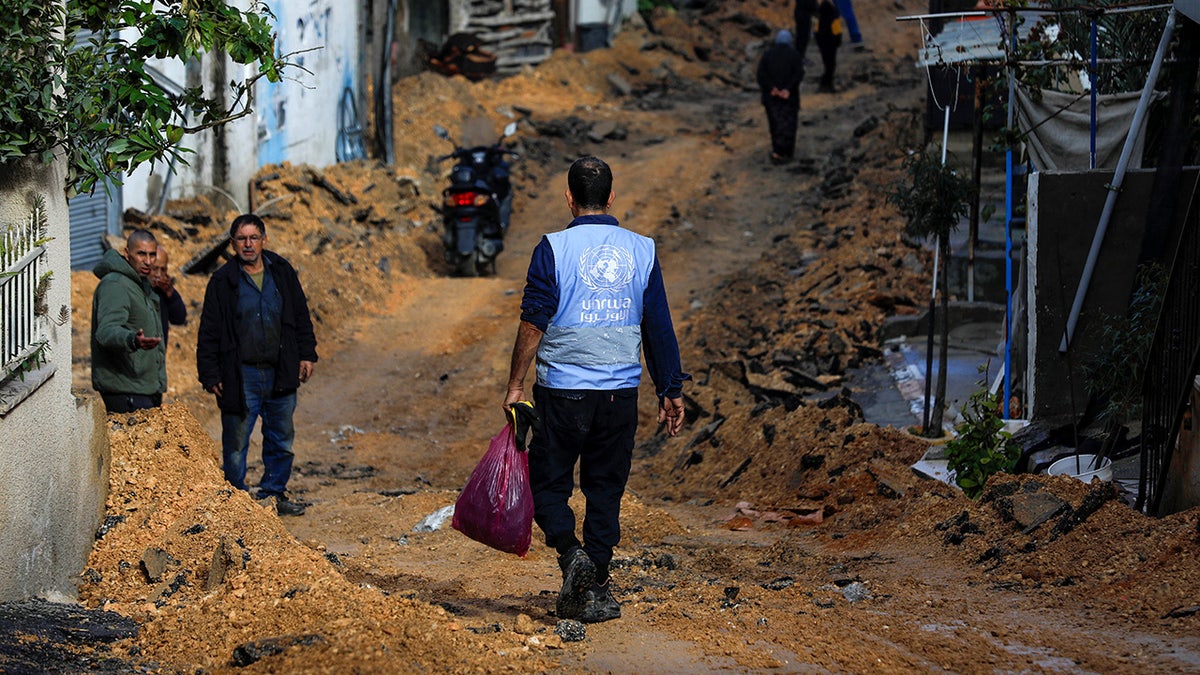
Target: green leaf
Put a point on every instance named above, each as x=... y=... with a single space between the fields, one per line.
x=89 y=100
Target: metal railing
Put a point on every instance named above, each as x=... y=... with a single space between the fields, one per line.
x=1171 y=365
x=22 y=290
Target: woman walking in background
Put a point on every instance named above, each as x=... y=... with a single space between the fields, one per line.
x=779 y=73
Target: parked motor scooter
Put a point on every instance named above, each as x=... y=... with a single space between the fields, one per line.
x=477 y=205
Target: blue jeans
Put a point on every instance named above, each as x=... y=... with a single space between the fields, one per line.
x=277 y=432
x=847 y=12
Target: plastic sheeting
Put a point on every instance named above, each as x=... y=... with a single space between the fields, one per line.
x=1057 y=129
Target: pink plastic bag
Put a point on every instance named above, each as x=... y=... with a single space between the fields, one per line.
x=496 y=506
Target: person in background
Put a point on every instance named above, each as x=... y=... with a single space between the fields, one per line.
x=803 y=13
x=254 y=348
x=779 y=73
x=846 y=9
x=829 y=39
x=170 y=303
x=594 y=301
x=129 y=365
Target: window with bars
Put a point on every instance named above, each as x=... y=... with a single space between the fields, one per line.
x=24 y=280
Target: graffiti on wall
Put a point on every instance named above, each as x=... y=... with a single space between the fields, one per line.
x=299 y=117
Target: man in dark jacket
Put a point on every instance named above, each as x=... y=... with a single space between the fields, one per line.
x=255 y=347
x=129 y=365
x=174 y=312
x=779 y=73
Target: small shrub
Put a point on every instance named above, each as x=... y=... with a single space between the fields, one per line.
x=982 y=447
x=933 y=198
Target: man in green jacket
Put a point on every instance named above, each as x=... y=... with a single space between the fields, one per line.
x=129 y=364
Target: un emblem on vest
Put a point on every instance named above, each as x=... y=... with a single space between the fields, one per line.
x=606 y=268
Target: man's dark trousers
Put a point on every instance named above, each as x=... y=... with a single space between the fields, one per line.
x=127 y=403
x=595 y=429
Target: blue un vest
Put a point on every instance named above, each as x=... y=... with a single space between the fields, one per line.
x=594 y=340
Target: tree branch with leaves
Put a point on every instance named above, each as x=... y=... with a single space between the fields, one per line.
x=935 y=199
x=76 y=81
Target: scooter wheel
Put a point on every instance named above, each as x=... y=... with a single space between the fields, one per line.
x=466 y=266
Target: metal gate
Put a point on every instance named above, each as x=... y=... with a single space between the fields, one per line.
x=1171 y=365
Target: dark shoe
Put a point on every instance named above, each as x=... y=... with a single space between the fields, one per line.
x=600 y=605
x=284 y=507
x=578 y=573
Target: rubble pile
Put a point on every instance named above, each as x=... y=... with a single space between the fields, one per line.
x=207 y=573
x=775 y=427
x=778 y=532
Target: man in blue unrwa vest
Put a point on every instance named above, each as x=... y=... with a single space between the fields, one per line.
x=594 y=301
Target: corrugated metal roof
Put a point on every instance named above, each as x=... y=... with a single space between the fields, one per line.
x=92 y=216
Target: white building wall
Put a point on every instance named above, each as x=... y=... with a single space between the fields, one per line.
x=53 y=447
x=295 y=120
x=143 y=188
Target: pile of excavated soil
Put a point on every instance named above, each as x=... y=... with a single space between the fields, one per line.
x=208 y=573
x=216 y=581
x=1090 y=542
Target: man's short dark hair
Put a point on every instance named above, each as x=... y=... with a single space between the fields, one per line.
x=247 y=219
x=139 y=236
x=590 y=181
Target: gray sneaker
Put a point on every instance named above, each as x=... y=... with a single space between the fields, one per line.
x=599 y=604
x=578 y=573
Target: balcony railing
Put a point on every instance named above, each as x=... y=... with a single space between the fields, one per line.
x=23 y=284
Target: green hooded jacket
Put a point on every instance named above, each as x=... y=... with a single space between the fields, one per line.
x=124 y=303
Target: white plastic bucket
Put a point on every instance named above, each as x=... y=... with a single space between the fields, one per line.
x=1085 y=470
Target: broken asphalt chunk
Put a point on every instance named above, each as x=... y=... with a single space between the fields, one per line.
x=251 y=652
x=856 y=592
x=570 y=630
x=779 y=584
x=1031 y=509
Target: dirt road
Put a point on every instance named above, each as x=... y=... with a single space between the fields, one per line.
x=778 y=533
